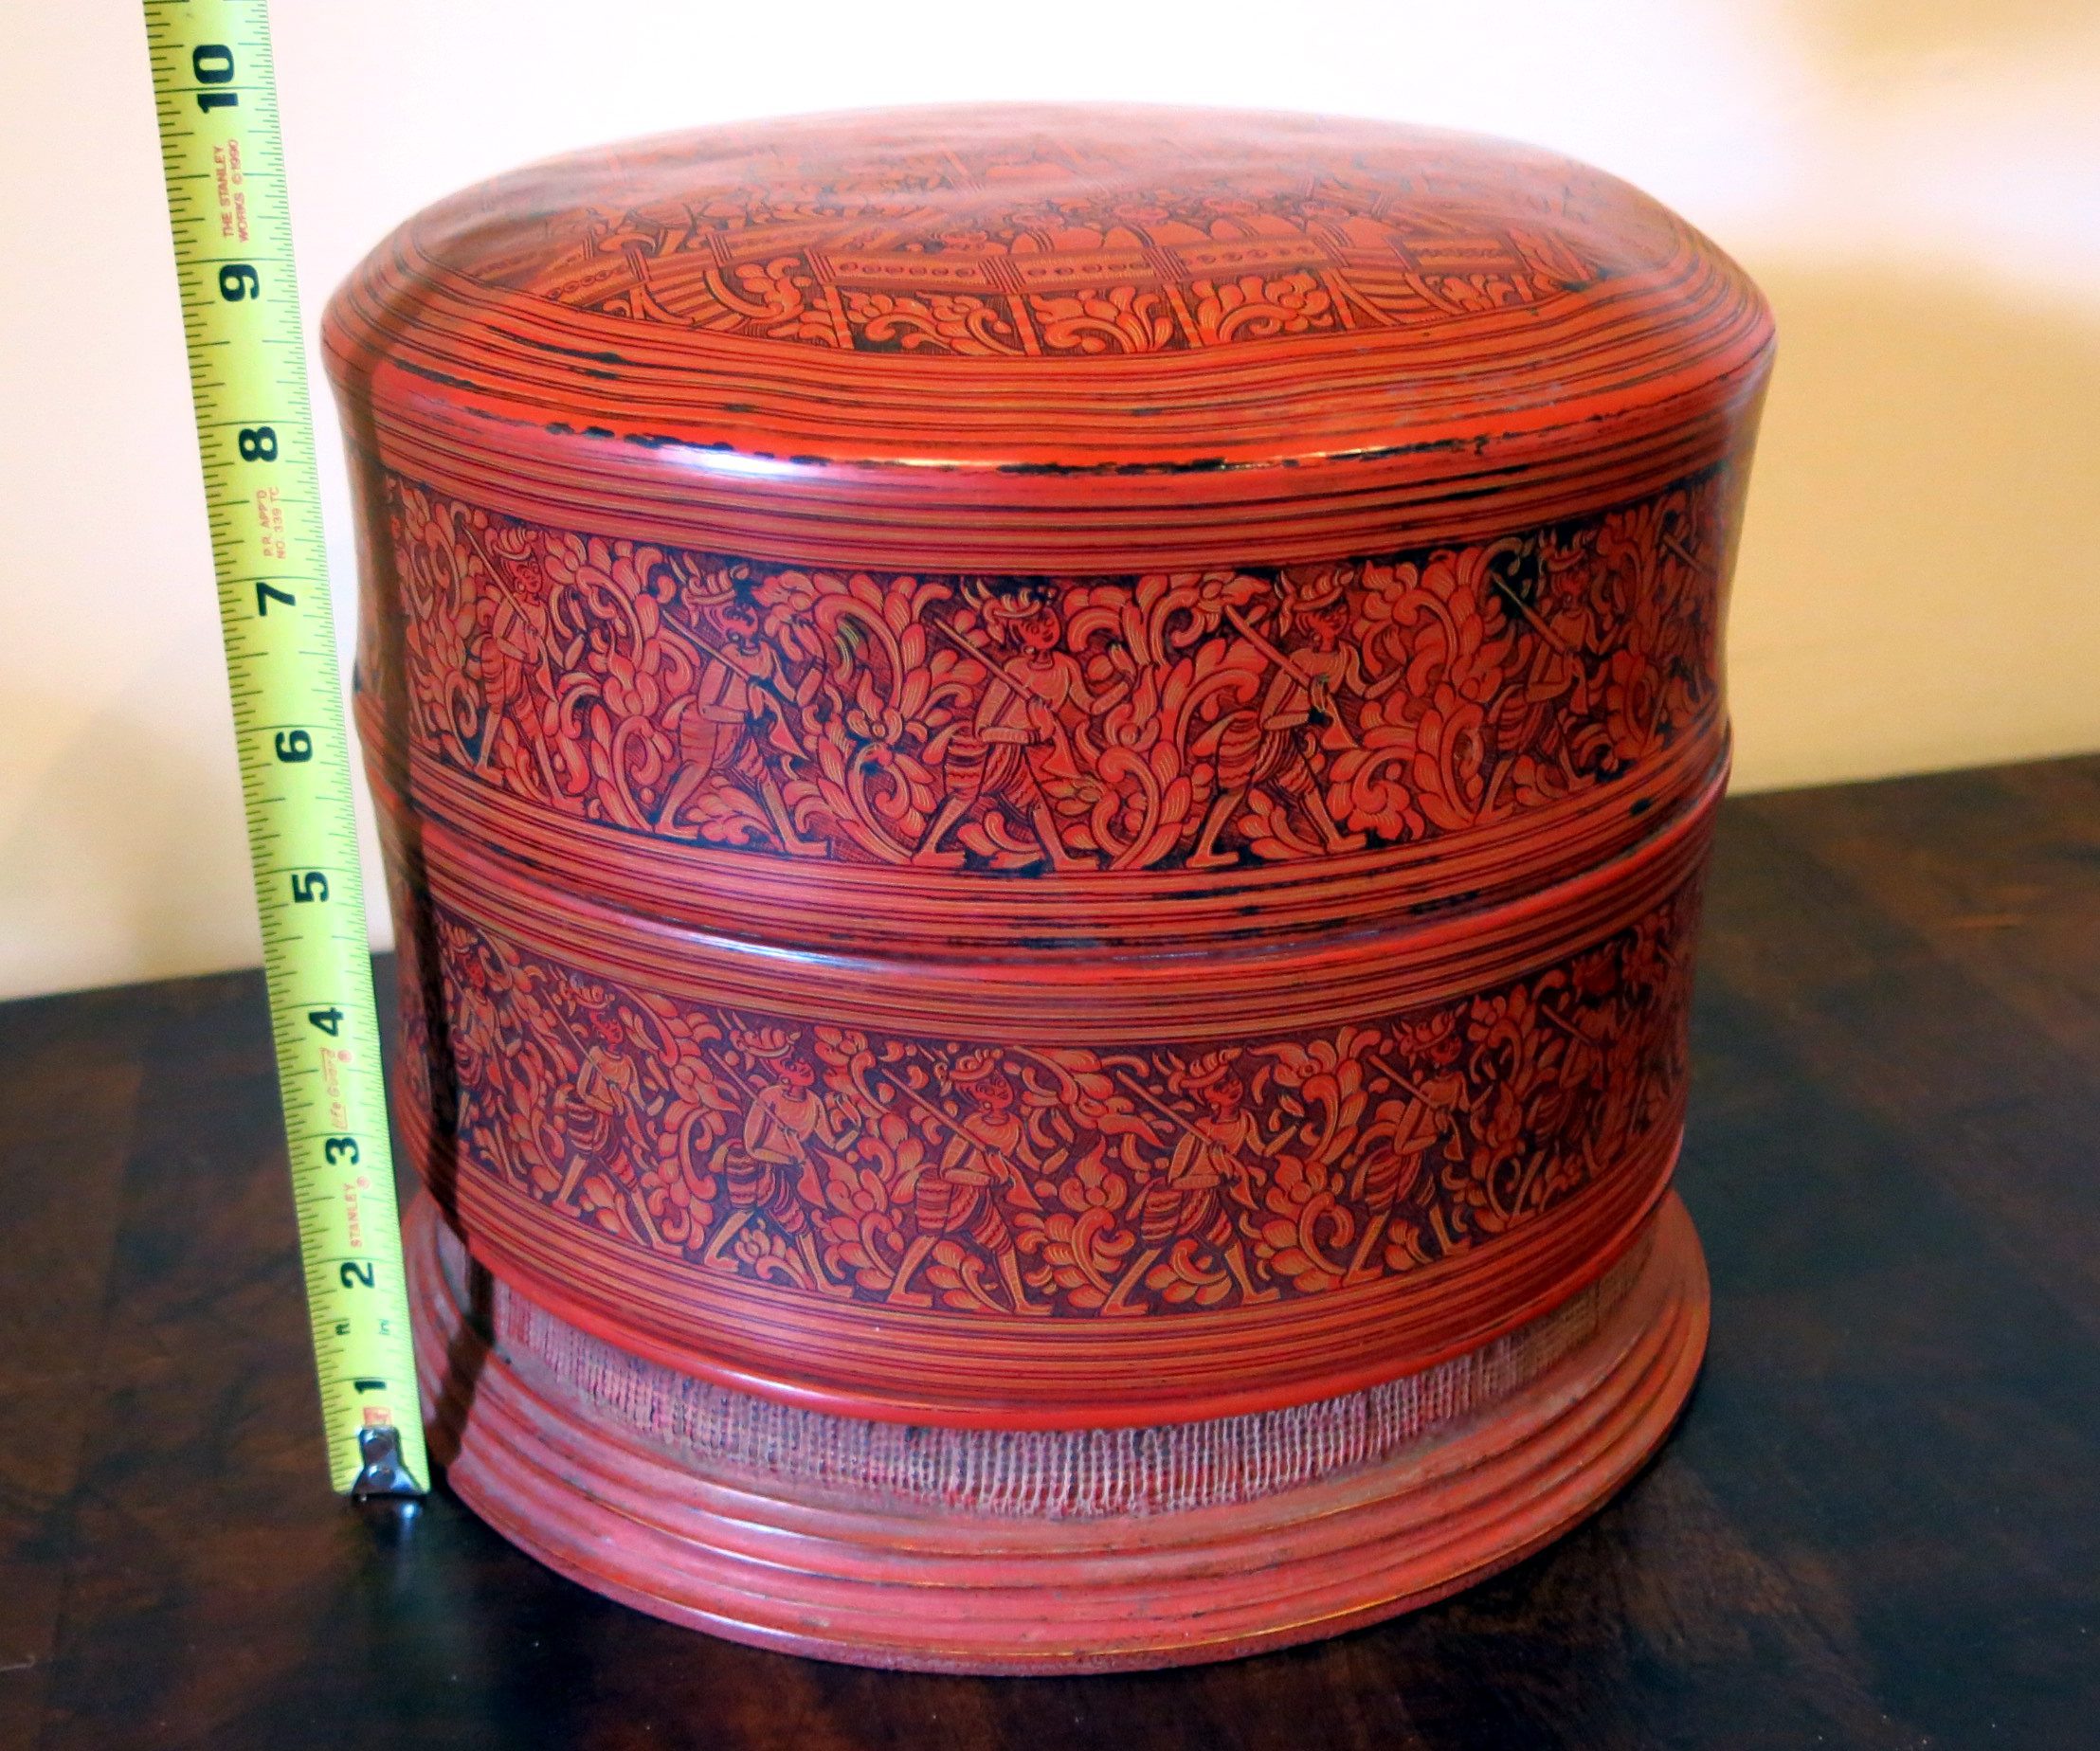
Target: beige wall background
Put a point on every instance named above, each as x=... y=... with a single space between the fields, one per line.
x=1915 y=182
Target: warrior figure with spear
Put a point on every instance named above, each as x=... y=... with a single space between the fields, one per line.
x=1186 y=1202
x=1275 y=749
x=1018 y=738
x=1403 y=1130
x=960 y=1195
x=760 y=1168
x=737 y=710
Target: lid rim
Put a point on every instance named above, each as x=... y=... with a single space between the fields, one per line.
x=452 y=373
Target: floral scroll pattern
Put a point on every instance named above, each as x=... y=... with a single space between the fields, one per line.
x=1070 y=1181
x=1191 y=720
x=1008 y=253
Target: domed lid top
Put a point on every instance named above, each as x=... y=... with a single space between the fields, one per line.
x=992 y=295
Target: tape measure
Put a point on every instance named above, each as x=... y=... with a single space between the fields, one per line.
x=215 y=91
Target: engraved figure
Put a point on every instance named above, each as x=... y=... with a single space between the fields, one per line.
x=1210 y=1160
x=761 y=1169
x=960 y=1195
x=1018 y=743
x=1404 y=1131
x=596 y=1111
x=1276 y=749
x=735 y=711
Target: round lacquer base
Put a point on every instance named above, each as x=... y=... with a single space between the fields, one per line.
x=974 y=1551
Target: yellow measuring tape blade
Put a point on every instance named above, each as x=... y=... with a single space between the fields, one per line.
x=215 y=91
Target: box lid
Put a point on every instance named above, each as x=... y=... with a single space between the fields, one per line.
x=1049 y=339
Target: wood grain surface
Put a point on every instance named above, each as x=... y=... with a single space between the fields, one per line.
x=1877 y=1524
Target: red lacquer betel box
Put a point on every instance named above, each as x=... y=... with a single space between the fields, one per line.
x=1045 y=774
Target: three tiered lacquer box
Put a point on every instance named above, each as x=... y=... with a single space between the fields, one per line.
x=1046 y=774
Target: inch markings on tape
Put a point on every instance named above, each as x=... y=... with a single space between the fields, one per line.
x=215 y=93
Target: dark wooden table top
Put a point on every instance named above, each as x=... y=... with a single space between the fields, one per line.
x=1878 y=1524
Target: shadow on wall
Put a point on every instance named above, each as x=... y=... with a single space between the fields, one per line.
x=165 y=880
x=1919 y=584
